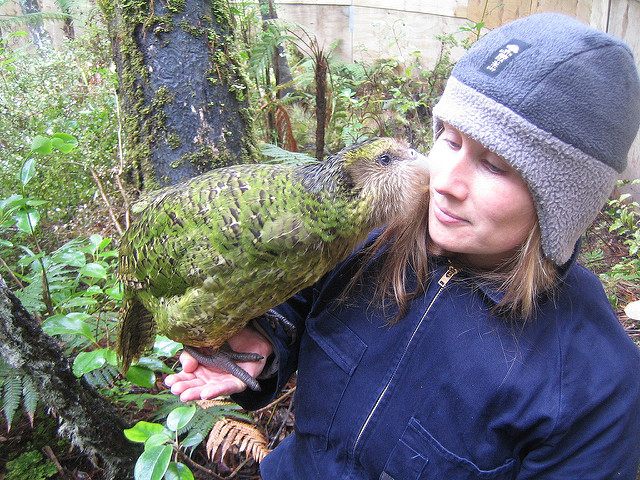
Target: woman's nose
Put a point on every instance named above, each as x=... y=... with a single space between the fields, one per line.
x=452 y=176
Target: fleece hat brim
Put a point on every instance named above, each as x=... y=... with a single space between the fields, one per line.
x=560 y=102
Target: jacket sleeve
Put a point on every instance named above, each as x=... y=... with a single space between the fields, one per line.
x=286 y=346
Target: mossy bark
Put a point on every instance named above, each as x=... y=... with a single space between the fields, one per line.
x=182 y=88
x=84 y=416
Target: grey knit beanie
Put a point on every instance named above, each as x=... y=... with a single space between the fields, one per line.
x=560 y=102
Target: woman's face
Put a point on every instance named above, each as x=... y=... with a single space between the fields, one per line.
x=480 y=207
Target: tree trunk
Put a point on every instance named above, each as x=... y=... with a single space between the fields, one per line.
x=86 y=418
x=182 y=90
x=320 y=71
x=281 y=68
x=39 y=35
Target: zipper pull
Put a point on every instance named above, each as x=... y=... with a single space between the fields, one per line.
x=448 y=275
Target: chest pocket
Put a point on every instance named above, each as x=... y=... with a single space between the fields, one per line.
x=329 y=354
x=419 y=456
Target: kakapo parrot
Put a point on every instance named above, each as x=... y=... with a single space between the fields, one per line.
x=204 y=257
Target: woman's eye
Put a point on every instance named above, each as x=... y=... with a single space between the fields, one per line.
x=384 y=159
x=452 y=145
x=492 y=168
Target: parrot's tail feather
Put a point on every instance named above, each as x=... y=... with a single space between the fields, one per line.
x=137 y=333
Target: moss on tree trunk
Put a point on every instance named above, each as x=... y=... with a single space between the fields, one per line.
x=90 y=421
x=182 y=88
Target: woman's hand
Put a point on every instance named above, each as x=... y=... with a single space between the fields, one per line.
x=198 y=382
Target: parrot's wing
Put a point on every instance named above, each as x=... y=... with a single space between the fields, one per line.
x=285 y=233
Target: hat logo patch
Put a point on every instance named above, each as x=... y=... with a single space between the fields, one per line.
x=503 y=56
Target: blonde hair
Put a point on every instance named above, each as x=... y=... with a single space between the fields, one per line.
x=523 y=278
x=405 y=248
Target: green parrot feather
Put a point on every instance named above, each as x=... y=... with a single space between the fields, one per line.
x=204 y=257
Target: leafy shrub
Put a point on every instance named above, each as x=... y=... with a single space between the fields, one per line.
x=67 y=90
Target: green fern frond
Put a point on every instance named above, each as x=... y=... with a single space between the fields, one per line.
x=275 y=154
x=102 y=377
x=32 y=18
x=65 y=5
x=198 y=428
x=11 y=394
x=165 y=406
x=31 y=297
x=30 y=398
x=203 y=421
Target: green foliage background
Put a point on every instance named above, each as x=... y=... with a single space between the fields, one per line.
x=69 y=90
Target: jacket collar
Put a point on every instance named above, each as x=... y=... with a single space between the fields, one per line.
x=495 y=295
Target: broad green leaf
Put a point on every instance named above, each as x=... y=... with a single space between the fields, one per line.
x=141 y=376
x=165 y=347
x=178 y=471
x=153 y=462
x=34 y=202
x=26 y=220
x=70 y=324
x=64 y=142
x=61 y=146
x=5 y=243
x=12 y=202
x=93 y=270
x=29 y=258
x=28 y=171
x=104 y=243
x=111 y=356
x=192 y=439
x=87 y=362
x=115 y=292
x=142 y=430
x=95 y=240
x=154 y=364
x=157 y=439
x=180 y=417
x=73 y=258
x=92 y=290
x=41 y=145
x=79 y=302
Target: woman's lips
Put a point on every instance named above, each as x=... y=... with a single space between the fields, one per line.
x=447 y=217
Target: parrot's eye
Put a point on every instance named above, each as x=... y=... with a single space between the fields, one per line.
x=384 y=159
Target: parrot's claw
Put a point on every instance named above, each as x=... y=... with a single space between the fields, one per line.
x=274 y=317
x=225 y=360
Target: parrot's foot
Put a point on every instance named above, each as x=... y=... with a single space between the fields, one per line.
x=274 y=317
x=225 y=359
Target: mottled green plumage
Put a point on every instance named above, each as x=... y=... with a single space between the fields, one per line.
x=204 y=257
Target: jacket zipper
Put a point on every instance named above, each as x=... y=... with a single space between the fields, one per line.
x=451 y=271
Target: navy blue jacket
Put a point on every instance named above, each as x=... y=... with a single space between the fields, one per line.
x=452 y=391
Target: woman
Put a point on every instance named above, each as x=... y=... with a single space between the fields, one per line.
x=488 y=352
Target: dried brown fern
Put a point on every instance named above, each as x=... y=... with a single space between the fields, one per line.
x=206 y=404
x=246 y=438
x=285 y=130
